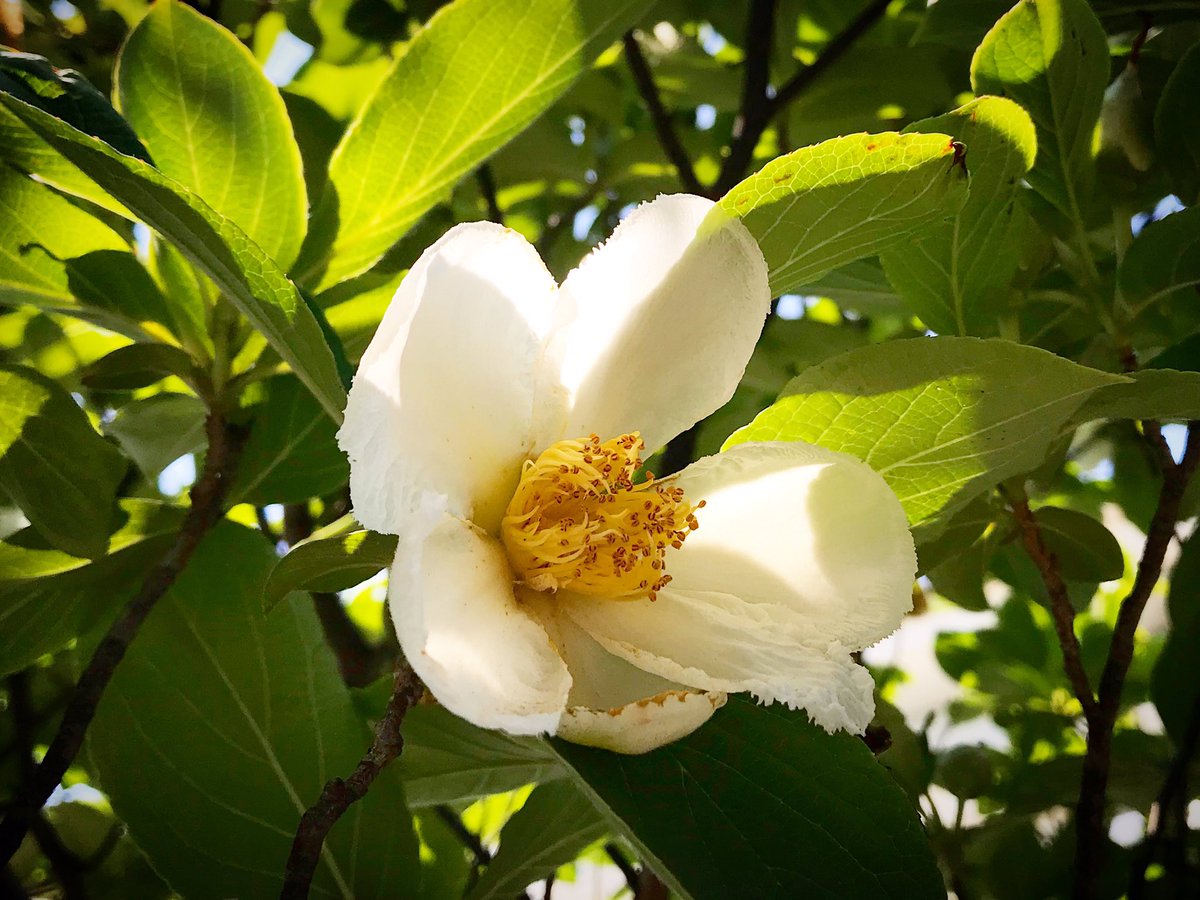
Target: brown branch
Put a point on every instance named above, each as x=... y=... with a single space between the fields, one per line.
x=833 y=51
x=1060 y=603
x=340 y=793
x=667 y=138
x=208 y=495
x=756 y=113
x=1089 y=812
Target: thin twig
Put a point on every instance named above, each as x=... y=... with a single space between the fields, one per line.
x=340 y=793
x=1089 y=812
x=465 y=835
x=833 y=51
x=1060 y=603
x=208 y=495
x=622 y=862
x=667 y=138
x=487 y=187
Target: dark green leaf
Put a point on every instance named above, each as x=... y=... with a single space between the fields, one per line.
x=155 y=431
x=292 y=453
x=556 y=823
x=48 y=597
x=237 y=721
x=329 y=564
x=1163 y=258
x=139 y=365
x=447 y=760
x=1177 y=127
x=761 y=803
x=1148 y=394
x=54 y=465
x=1175 y=684
x=1085 y=549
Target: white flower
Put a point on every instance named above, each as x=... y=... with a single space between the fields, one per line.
x=533 y=589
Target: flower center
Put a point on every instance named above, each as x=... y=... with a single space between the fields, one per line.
x=578 y=521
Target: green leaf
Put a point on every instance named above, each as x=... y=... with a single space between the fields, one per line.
x=1177 y=127
x=237 y=721
x=821 y=207
x=48 y=597
x=68 y=96
x=1051 y=57
x=553 y=827
x=215 y=124
x=239 y=268
x=1175 y=684
x=940 y=419
x=140 y=365
x=1085 y=549
x=24 y=151
x=860 y=285
x=761 y=803
x=40 y=232
x=54 y=465
x=329 y=564
x=1163 y=258
x=1148 y=394
x=115 y=283
x=493 y=66
x=292 y=452
x=155 y=431
x=447 y=760
x=957 y=276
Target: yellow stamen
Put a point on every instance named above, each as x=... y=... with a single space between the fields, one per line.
x=578 y=521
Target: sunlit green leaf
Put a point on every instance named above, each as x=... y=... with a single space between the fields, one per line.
x=1051 y=57
x=213 y=123
x=329 y=564
x=937 y=417
x=497 y=64
x=821 y=207
x=957 y=276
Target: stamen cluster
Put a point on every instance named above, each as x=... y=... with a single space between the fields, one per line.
x=577 y=520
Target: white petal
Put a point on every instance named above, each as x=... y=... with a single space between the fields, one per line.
x=465 y=635
x=643 y=725
x=658 y=323
x=815 y=536
x=443 y=400
x=717 y=642
x=614 y=705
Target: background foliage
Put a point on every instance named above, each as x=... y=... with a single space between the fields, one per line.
x=200 y=228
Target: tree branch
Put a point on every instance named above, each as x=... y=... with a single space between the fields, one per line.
x=755 y=109
x=339 y=794
x=207 y=504
x=1089 y=812
x=1060 y=603
x=667 y=137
